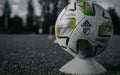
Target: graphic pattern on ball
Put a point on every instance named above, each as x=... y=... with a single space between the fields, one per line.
x=84 y=29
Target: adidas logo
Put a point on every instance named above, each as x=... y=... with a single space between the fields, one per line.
x=86 y=27
x=86 y=24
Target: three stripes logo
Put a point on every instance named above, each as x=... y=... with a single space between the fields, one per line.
x=86 y=27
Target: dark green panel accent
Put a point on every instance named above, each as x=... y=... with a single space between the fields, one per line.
x=101 y=30
x=84 y=43
x=88 y=12
x=80 y=0
x=86 y=8
x=85 y=48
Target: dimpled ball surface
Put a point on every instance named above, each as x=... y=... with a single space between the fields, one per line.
x=84 y=29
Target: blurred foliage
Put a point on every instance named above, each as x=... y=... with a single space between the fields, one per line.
x=31 y=26
x=33 y=22
x=50 y=17
x=44 y=22
x=5 y=21
x=16 y=25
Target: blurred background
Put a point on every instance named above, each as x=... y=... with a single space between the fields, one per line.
x=39 y=16
x=38 y=53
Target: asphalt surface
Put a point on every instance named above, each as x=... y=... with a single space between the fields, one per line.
x=37 y=53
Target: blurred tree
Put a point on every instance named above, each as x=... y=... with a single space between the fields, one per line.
x=54 y=12
x=6 y=16
x=62 y=4
x=16 y=25
x=50 y=18
x=1 y=24
x=30 y=18
x=115 y=20
x=36 y=26
x=47 y=18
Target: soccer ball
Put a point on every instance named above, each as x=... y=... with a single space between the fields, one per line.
x=84 y=29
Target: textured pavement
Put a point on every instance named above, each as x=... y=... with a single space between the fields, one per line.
x=37 y=53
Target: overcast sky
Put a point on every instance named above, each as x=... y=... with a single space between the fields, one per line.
x=19 y=7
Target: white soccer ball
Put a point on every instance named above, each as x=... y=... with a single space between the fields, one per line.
x=84 y=29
